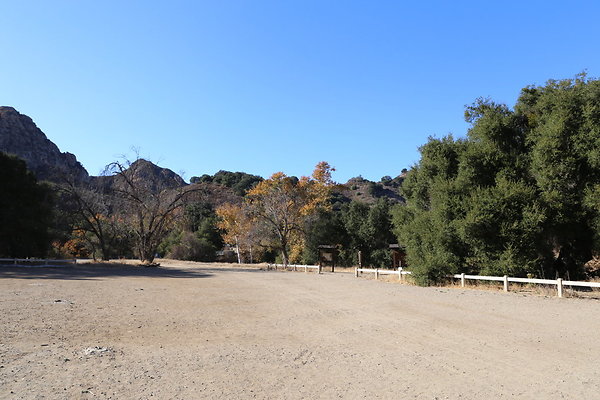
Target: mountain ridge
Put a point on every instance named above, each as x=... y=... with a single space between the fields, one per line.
x=20 y=136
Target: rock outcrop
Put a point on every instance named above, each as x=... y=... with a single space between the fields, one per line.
x=149 y=176
x=20 y=136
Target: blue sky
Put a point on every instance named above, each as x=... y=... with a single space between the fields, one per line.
x=265 y=86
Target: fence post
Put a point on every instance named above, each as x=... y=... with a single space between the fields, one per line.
x=319 y=270
x=400 y=274
x=462 y=279
x=356 y=272
x=376 y=273
x=505 y=283
x=559 y=287
x=305 y=269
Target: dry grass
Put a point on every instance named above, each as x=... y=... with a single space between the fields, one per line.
x=528 y=288
x=493 y=286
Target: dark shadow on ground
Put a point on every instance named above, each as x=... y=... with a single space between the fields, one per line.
x=229 y=269
x=99 y=271
x=216 y=266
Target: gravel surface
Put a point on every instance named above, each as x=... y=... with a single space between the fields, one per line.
x=207 y=331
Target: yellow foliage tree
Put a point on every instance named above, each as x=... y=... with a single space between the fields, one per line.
x=283 y=203
x=236 y=224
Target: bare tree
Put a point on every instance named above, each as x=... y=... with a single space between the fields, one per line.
x=89 y=209
x=149 y=197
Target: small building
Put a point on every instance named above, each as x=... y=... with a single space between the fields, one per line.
x=398 y=255
x=328 y=255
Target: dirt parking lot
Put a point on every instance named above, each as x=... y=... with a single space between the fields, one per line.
x=205 y=331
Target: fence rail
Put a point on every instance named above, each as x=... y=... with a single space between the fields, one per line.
x=506 y=280
x=36 y=262
x=559 y=283
x=295 y=267
x=400 y=272
x=584 y=284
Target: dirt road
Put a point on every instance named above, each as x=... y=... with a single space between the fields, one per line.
x=187 y=331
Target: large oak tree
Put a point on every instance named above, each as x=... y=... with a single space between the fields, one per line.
x=25 y=211
x=519 y=195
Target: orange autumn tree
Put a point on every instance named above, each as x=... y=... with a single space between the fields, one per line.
x=283 y=204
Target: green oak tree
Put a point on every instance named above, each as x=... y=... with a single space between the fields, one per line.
x=25 y=211
x=519 y=195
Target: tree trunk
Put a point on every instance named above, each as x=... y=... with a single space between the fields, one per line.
x=147 y=257
x=237 y=250
x=284 y=255
x=146 y=252
x=104 y=251
x=284 y=250
x=91 y=244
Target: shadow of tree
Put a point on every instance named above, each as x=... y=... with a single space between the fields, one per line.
x=98 y=271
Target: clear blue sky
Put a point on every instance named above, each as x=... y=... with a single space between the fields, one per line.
x=265 y=86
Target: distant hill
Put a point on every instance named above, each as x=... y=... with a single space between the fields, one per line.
x=20 y=136
x=240 y=182
x=153 y=176
x=366 y=191
x=358 y=188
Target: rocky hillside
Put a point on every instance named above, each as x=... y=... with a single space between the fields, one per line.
x=147 y=174
x=366 y=191
x=20 y=136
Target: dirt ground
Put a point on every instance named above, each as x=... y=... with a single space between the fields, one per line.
x=205 y=331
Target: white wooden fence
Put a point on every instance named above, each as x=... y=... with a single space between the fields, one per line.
x=400 y=272
x=504 y=279
x=559 y=283
x=295 y=267
x=507 y=279
x=35 y=262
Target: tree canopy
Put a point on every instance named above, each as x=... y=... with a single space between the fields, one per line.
x=519 y=195
x=283 y=203
x=25 y=211
x=240 y=182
